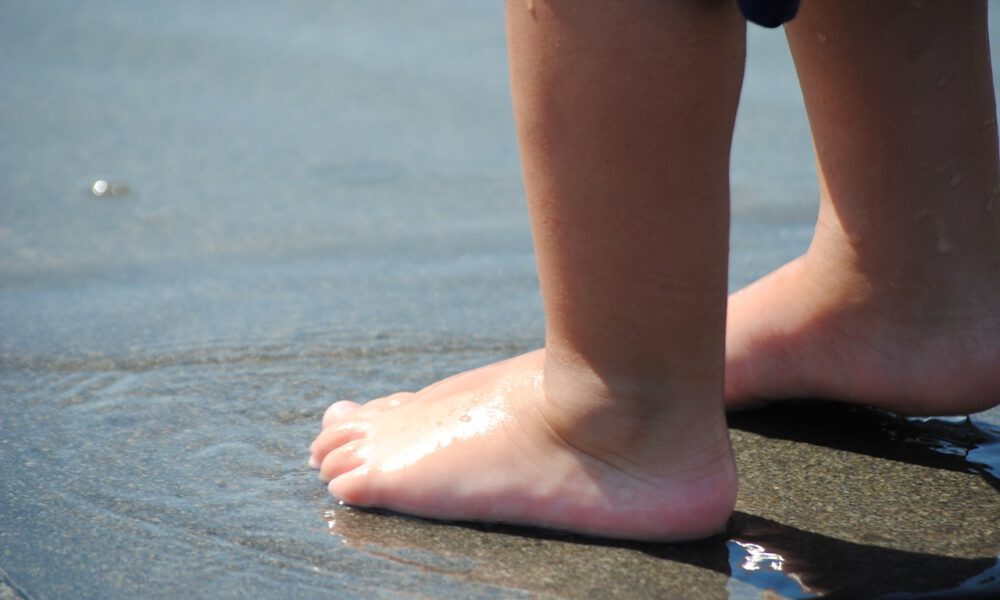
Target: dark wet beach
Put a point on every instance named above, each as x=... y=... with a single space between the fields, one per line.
x=319 y=200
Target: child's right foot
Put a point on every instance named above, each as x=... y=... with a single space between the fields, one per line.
x=490 y=445
x=815 y=328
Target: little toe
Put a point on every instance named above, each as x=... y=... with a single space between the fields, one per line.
x=338 y=410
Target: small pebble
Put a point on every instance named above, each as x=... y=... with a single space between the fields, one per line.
x=103 y=188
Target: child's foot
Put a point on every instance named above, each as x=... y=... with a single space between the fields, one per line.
x=816 y=329
x=489 y=445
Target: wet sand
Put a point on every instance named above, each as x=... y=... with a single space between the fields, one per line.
x=321 y=200
x=870 y=514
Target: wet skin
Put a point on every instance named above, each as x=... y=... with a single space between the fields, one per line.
x=617 y=427
x=479 y=446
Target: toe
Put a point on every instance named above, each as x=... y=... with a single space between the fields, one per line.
x=332 y=438
x=338 y=410
x=344 y=459
x=353 y=487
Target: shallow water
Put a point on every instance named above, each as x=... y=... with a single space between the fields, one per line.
x=320 y=200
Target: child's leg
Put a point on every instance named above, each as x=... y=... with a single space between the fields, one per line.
x=897 y=302
x=625 y=113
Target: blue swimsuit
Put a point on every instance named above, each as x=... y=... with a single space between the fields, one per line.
x=769 y=13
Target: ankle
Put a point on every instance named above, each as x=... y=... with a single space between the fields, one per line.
x=952 y=286
x=922 y=257
x=574 y=381
x=626 y=420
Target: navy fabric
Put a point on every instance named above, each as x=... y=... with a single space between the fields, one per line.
x=769 y=13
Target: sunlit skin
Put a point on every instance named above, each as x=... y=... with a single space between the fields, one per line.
x=625 y=113
x=478 y=446
x=896 y=304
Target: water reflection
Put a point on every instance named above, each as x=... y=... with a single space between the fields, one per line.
x=762 y=570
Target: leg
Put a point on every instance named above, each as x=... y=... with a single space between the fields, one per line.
x=625 y=113
x=896 y=304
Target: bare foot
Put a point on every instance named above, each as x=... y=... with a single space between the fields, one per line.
x=815 y=329
x=489 y=445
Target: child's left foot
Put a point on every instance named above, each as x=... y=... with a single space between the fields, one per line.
x=812 y=330
x=489 y=445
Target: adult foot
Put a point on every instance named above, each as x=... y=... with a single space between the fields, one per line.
x=491 y=445
x=817 y=328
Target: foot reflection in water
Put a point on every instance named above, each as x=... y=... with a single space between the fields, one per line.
x=753 y=569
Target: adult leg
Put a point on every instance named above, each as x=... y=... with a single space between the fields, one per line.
x=896 y=304
x=625 y=113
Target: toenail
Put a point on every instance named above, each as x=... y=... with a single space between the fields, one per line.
x=339 y=409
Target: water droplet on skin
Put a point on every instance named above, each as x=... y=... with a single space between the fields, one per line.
x=822 y=37
x=947 y=77
x=943 y=244
x=696 y=40
x=476 y=421
x=854 y=237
